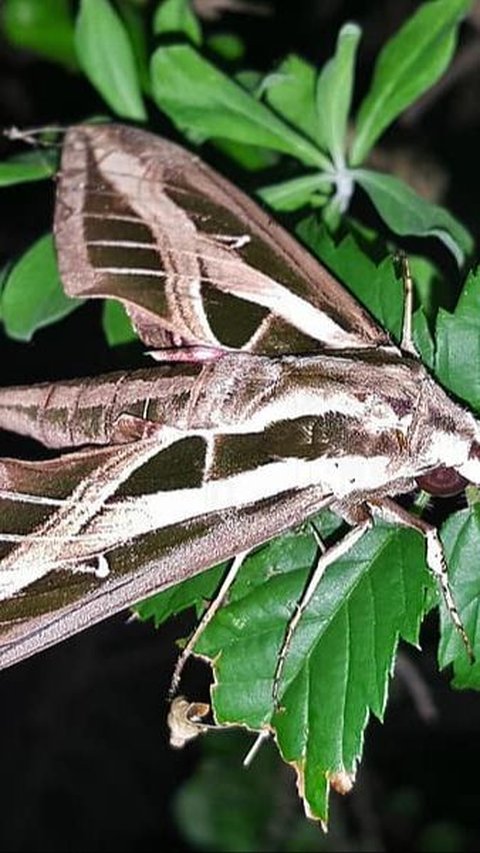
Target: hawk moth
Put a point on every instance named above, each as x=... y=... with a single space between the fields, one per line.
x=277 y=396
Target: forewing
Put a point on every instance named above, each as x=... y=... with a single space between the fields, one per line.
x=194 y=260
x=90 y=533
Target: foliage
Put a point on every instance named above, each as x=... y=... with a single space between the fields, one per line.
x=32 y=294
x=297 y=118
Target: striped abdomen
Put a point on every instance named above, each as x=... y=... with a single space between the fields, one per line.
x=84 y=411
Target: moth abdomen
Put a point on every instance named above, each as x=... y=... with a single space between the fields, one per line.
x=81 y=412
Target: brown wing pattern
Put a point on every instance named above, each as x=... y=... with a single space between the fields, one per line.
x=143 y=220
x=196 y=263
x=57 y=580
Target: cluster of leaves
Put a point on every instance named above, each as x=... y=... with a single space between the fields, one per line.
x=343 y=652
x=295 y=114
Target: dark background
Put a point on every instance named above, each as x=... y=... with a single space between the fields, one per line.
x=85 y=763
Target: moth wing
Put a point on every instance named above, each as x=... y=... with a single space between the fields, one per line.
x=193 y=259
x=80 y=538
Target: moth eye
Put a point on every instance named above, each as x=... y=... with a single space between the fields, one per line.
x=443 y=482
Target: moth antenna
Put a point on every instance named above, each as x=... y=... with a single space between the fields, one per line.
x=407 y=344
x=326 y=557
x=33 y=136
x=45 y=146
x=207 y=617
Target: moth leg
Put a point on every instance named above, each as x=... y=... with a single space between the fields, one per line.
x=207 y=617
x=407 y=343
x=325 y=558
x=435 y=556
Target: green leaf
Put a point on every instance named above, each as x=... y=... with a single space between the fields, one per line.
x=334 y=94
x=198 y=97
x=422 y=338
x=290 y=90
x=116 y=324
x=191 y=593
x=177 y=16
x=259 y=820
x=194 y=590
x=44 y=27
x=23 y=168
x=4 y=273
x=468 y=303
x=333 y=210
x=376 y=287
x=338 y=666
x=431 y=289
x=249 y=157
x=106 y=55
x=458 y=344
x=206 y=814
x=407 y=213
x=228 y=46
x=461 y=538
x=250 y=80
x=33 y=295
x=133 y=18
x=292 y=194
x=407 y=66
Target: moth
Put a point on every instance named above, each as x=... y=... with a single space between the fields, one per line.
x=274 y=396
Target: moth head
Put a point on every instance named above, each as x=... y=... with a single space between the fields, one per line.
x=452 y=436
x=451 y=479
